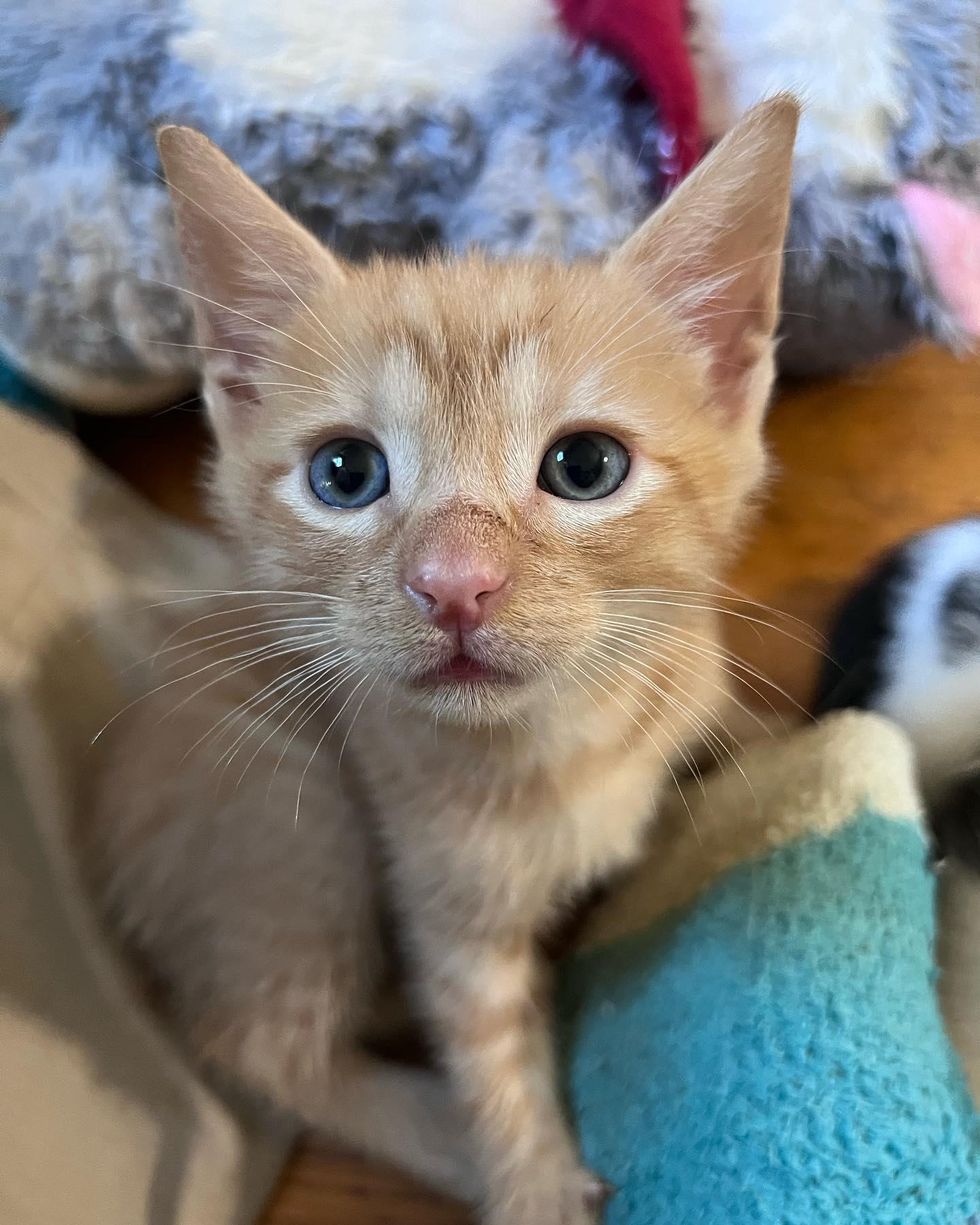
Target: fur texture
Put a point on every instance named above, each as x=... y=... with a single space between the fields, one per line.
x=460 y=128
x=472 y=810
x=892 y=96
x=754 y=49
x=359 y=53
x=533 y=151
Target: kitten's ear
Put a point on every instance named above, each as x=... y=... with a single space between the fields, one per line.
x=713 y=252
x=251 y=269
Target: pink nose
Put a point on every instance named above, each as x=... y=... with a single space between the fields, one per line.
x=457 y=594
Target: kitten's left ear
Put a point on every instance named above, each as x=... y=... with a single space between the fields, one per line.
x=712 y=254
x=250 y=267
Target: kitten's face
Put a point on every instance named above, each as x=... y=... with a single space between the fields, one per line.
x=465 y=456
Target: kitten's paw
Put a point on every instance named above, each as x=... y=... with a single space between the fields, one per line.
x=564 y=1194
x=596 y=1194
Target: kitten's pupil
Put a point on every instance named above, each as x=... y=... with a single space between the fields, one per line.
x=583 y=467
x=349 y=473
x=583 y=461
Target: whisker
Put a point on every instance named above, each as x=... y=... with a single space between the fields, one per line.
x=726 y=612
x=732 y=665
x=251 y=319
x=587 y=691
x=214 y=348
x=238 y=712
x=314 y=702
x=322 y=677
x=289 y=389
x=668 y=652
x=159 y=689
x=214 y=593
x=234 y=611
x=251 y=250
x=297 y=683
x=233 y=634
x=656 y=715
x=625 y=649
x=255 y=655
x=663 y=756
x=707 y=734
x=340 y=755
x=737 y=667
x=316 y=747
x=731 y=595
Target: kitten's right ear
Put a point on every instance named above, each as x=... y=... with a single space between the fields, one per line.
x=251 y=269
x=713 y=253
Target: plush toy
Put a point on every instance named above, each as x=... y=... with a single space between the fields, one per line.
x=522 y=125
x=754 y=1034
x=884 y=237
x=381 y=126
x=16 y=393
x=906 y=642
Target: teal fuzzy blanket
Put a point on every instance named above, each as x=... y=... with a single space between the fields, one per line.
x=755 y=1035
x=16 y=392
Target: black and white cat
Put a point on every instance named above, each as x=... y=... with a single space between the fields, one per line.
x=906 y=643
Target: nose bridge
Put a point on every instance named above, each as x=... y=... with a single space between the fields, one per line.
x=460 y=530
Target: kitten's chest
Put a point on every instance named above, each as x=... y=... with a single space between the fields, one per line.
x=514 y=837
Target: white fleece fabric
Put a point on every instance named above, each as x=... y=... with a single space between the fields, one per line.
x=843 y=60
x=101 y=1120
x=298 y=55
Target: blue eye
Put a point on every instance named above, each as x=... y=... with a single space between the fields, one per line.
x=583 y=467
x=348 y=473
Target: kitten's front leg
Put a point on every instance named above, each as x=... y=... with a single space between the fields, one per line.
x=485 y=999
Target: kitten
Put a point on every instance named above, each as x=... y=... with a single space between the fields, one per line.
x=482 y=501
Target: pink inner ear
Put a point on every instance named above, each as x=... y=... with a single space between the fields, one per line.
x=949 y=234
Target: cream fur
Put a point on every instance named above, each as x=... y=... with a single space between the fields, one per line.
x=319 y=56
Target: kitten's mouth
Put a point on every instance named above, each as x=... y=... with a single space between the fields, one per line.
x=462 y=669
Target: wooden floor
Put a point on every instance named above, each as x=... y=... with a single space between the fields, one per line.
x=858 y=465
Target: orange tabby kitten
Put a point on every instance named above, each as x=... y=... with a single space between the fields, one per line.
x=476 y=503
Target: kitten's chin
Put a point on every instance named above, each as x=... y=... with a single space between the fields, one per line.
x=471 y=697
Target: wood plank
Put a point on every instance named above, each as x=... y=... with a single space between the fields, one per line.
x=322 y=1188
